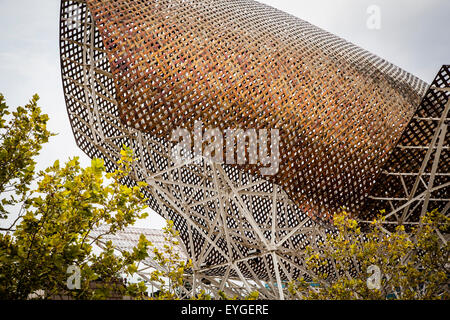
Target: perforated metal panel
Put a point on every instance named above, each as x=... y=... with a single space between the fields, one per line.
x=127 y=239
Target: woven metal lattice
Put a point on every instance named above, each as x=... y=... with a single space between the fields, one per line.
x=241 y=64
x=135 y=70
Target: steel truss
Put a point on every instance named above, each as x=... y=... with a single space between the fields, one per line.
x=406 y=191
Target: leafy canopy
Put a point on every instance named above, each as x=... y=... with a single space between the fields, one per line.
x=22 y=133
x=414 y=265
x=52 y=230
x=68 y=204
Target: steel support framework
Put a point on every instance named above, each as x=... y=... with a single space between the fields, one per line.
x=407 y=189
x=242 y=232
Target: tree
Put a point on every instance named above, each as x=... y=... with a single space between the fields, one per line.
x=412 y=265
x=22 y=133
x=52 y=234
x=170 y=278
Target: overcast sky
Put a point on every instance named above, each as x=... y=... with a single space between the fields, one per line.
x=414 y=34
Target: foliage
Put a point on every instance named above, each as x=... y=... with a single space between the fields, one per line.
x=414 y=265
x=170 y=278
x=22 y=133
x=69 y=202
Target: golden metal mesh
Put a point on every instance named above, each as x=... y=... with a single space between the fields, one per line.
x=241 y=64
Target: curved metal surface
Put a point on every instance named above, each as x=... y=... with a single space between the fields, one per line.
x=241 y=64
x=133 y=71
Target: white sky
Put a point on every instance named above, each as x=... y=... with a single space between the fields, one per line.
x=414 y=35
